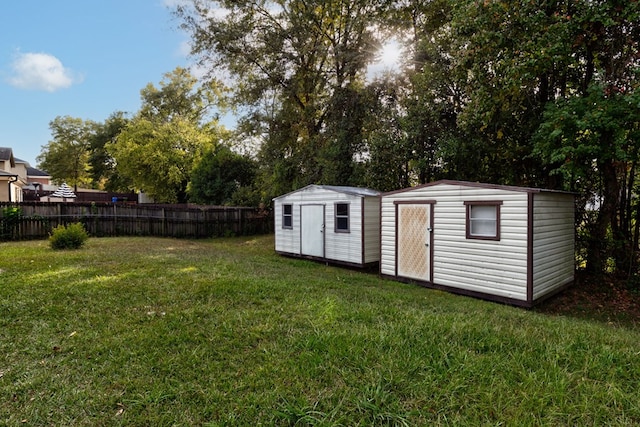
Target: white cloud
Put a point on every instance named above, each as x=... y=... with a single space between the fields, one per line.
x=174 y=3
x=40 y=71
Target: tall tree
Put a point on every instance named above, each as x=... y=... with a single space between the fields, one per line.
x=159 y=147
x=103 y=166
x=303 y=59
x=66 y=156
x=221 y=176
x=564 y=68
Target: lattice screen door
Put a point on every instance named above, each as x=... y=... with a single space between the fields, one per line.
x=413 y=249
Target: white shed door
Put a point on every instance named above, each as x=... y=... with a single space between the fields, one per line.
x=413 y=251
x=312 y=230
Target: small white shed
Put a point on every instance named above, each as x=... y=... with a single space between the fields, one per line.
x=330 y=223
x=503 y=243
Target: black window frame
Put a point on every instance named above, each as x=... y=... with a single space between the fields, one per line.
x=287 y=218
x=341 y=217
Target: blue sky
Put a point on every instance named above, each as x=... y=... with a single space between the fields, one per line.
x=82 y=58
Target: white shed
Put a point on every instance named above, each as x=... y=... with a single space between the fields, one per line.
x=330 y=223
x=503 y=243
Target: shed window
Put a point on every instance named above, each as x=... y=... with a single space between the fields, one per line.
x=287 y=216
x=483 y=220
x=342 y=217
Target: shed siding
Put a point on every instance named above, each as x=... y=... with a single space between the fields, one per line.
x=371 y=229
x=342 y=247
x=287 y=239
x=345 y=247
x=553 y=242
x=492 y=267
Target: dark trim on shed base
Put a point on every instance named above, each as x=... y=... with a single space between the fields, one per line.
x=556 y=291
x=369 y=265
x=474 y=294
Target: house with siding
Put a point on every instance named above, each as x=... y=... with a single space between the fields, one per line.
x=17 y=175
x=503 y=243
x=329 y=223
x=12 y=178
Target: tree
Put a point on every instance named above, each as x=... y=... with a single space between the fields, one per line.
x=102 y=165
x=595 y=140
x=299 y=67
x=66 y=156
x=159 y=147
x=558 y=70
x=221 y=177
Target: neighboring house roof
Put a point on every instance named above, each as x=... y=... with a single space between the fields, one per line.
x=37 y=172
x=64 y=191
x=6 y=153
x=5 y=173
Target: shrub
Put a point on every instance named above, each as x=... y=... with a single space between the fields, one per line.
x=71 y=236
x=9 y=220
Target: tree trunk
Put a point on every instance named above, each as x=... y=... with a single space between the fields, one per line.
x=597 y=250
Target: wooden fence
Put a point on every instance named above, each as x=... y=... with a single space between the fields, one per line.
x=35 y=220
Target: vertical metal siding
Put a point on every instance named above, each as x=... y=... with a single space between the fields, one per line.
x=553 y=242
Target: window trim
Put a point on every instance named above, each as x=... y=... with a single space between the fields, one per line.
x=287 y=215
x=336 y=216
x=469 y=205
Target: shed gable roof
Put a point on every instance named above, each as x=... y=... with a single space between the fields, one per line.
x=480 y=185
x=354 y=191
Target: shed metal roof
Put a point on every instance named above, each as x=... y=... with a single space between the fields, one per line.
x=481 y=185
x=354 y=191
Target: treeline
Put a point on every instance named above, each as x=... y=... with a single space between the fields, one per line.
x=526 y=92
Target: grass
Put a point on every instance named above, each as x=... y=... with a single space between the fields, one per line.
x=147 y=331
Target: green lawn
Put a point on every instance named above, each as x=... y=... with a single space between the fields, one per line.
x=147 y=331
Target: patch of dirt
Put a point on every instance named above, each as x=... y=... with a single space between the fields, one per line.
x=597 y=298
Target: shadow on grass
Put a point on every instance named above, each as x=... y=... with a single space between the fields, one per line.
x=603 y=299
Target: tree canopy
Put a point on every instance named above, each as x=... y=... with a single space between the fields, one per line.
x=66 y=156
x=158 y=148
x=509 y=92
x=519 y=92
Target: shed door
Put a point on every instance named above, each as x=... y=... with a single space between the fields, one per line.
x=413 y=249
x=312 y=230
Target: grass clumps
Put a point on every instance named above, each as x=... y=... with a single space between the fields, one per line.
x=71 y=236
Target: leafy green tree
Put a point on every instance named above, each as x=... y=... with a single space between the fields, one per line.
x=558 y=67
x=594 y=140
x=66 y=156
x=157 y=150
x=157 y=158
x=299 y=67
x=388 y=152
x=223 y=177
x=102 y=165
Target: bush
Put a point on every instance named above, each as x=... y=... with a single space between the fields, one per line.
x=9 y=221
x=71 y=236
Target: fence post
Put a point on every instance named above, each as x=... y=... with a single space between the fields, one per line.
x=115 y=220
x=164 y=223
